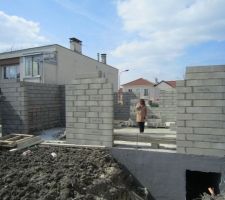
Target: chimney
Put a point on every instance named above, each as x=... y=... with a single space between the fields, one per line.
x=103 y=56
x=98 y=56
x=76 y=45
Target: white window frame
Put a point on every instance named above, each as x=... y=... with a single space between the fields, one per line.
x=27 y=65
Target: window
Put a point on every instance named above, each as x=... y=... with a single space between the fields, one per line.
x=129 y=90
x=11 y=72
x=32 y=65
x=145 y=92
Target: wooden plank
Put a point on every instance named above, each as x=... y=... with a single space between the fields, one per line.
x=13 y=140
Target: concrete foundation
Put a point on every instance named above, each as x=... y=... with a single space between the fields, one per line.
x=163 y=173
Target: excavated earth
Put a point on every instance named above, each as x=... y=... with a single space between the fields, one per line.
x=74 y=173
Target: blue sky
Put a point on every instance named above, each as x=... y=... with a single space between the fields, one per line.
x=150 y=38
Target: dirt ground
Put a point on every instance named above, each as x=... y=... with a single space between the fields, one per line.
x=74 y=173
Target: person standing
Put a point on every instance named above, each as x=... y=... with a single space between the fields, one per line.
x=141 y=114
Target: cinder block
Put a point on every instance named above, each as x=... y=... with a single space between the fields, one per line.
x=105 y=91
x=207 y=82
x=181 y=150
x=91 y=92
x=184 y=116
x=184 y=103
x=83 y=109
x=96 y=120
x=79 y=125
x=205 y=124
x=69 y=114
x=181 y=110
x=107 y=86
x=79 y=114
x=213 y=117
x=96 y=109
x=84 y=120
x=210 y=89
x=184 y=143
x=205 y=96
x=186 y=130
x=92 y=103
x=208 y=103
x=106 y=103
x=184 y=90
x=207 y=152
x=207 y=138
x=107 y=120
x=106 y=126
x=209 y=131
x=211 y=68
x=91 y=114
x=92 y=126
x=78 y=92
x=82 y=98
x=181 y=136
x=180 y=83
x=96 y=97
x=203 y=110
x=107 y=109
x=181 y=123
x=106 y=115
x=95 y=86
x=107 y=97
x=79 y=103
x=206 y=75
x=77 y=81
x=71 y=119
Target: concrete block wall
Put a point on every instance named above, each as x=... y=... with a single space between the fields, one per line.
x=44 y=105
x=89 y=111
x=26 y=107
x=201 y=111
x=167 y=106
x=122 y=109
x=13 y=111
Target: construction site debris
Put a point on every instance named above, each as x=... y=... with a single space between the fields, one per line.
x=77 y=173
x=19 y=141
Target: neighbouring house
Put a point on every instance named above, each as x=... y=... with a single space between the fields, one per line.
x=165 y=86
x=142 y=88
x=53 y=64
x=32 y=84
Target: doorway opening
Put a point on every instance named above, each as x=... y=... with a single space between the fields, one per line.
x=198 y=183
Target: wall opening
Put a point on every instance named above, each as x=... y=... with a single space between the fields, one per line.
x=198 y=182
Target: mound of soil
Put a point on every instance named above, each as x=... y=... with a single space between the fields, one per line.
x=59 y=173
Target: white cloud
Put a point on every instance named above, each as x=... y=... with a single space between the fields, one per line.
x=17 y=32
x=164 y=29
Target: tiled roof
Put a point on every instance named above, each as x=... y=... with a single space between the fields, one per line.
x=170 y=83
x=139 y=81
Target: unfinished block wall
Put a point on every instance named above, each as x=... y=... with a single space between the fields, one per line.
x=27 y=107
x=201 y=111
x=167 y=106
x=89 y=111
x=122 y=108
x=45 y=105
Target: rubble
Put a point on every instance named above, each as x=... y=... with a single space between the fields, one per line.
x=76 y=173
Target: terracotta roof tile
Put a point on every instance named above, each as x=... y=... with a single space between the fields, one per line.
x=170 y=83
x=139 y=81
